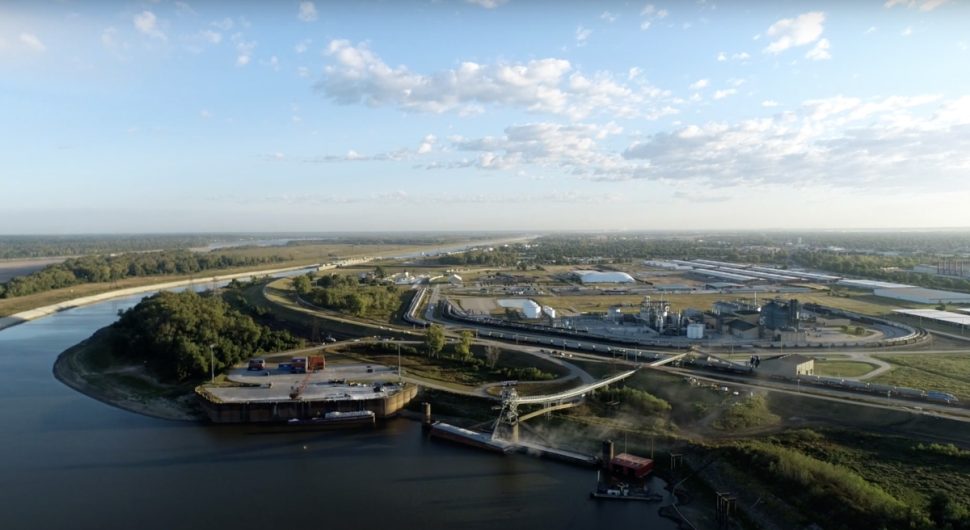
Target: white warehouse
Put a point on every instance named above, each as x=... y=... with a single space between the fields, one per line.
x=923 y=296
x=528 y=307
x=604 y=277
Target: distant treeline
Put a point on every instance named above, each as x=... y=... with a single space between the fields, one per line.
x=876 y=267
x=96 y=269
x=175 y=334
x=499 y=257
x=43 y=246
x=612 y=249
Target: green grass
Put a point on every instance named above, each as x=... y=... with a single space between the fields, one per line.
x=840 y=368
x=908 y=470
x=747 y=413
x=945 y=372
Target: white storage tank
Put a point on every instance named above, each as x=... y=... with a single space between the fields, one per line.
x=530 y=309
x=695 y=331
x=549 y=311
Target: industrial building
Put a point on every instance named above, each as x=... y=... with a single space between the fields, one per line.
x=777 y=314
x=742 y=330
x=787 y=366
x=603 y=277
x=527 y=307
x=923 y=296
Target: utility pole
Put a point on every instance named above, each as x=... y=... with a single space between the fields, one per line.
x=212 y=365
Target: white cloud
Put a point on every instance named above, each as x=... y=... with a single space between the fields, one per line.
x=184 y=9
x=799 y=31
x=303 y=71
x=205 y=114
x=907 y=32
x=924 y=5
x=820 y=52
x=721 y=94
x=582 y=35
x=146 y=22
x=427 y=144
x=302 y=46
x=872 y=29
x=739 y=56
x=573 y=148
x=487 y=4
x=840 y=141
x=244 y=50
x=633 y=73
x=225 y=24
x=32 y=41
x=769 y=103
x=308 y=12
x=650 y=13
x=607 y=16
x=699 y=84
x=212 y=37
x=358 y=75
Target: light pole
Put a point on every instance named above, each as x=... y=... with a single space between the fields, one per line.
x=212 y=365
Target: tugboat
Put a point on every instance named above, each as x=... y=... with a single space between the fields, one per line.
x=609 y=489
x=623 y=491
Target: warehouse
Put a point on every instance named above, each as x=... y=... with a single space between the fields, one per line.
x=787 y=366
x=923 y=296
x=604 y=277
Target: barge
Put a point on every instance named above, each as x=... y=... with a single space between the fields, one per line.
x=477 y=439
x=271 y=403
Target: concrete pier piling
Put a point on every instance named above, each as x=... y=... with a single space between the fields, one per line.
x=608 y=453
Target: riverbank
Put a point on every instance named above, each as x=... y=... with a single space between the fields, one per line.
x=89 y=368
x=40 y=312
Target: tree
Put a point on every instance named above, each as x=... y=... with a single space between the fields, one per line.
x=464 y=346
x=492 y=354
x=379 y=272
x=434 y=339
x=302 y=284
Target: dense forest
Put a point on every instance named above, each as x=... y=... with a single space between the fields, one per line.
x=95 y=269
x=350 y=295
x=173 y=334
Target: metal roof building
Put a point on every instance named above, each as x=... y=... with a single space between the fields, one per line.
x=924 y=296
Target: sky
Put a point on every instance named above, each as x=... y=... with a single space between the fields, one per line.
x=192 y=116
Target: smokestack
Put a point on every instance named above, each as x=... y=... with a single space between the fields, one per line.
x=427 y=413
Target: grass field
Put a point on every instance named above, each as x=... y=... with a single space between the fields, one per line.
x=946 y=372
x=839 y=368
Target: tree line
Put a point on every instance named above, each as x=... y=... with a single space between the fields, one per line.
x=176 y=334
x=98 y=269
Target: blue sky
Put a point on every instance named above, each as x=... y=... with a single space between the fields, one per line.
x=489 y=115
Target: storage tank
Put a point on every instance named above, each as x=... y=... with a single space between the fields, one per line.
x=549 y=311
x=531 y=309
x=695 y=331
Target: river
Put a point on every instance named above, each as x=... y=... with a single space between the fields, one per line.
x=71 y=462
